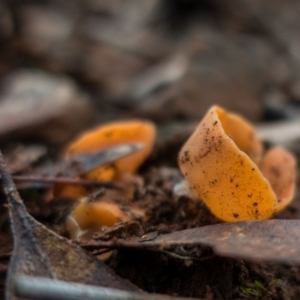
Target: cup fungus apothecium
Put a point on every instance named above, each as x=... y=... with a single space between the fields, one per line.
x=88 y=217
x=224 y=163
x=113 y=134
x=106 y=136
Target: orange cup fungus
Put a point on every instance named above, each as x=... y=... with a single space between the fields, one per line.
x=89 y=216
x=106 y=136
x=114 y=134
x=223 y=163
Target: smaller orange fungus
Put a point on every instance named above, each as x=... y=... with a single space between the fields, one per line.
x=278 y=166
x=223 y=163
x=113 y=134
x=89 y=216
x=98 y=214
x=106 y=136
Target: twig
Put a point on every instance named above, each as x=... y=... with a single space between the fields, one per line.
x=172 y=254
x=49 y=289
x=10 y=190
x=20 y=223
x=110 y=245
x=74 y=181
x=101 y=251
x=5 y=256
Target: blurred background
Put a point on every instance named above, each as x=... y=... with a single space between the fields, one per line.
x=68 y=65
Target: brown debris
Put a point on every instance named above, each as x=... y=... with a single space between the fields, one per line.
x=269 y=240
x=56 y=101
x=40 y=252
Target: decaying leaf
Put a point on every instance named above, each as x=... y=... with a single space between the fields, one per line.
x=83 y=163
x=79 y=165
x=21 y=157
x=40 y=252
x=267 y=240
x=56 y=102
x=43 y=288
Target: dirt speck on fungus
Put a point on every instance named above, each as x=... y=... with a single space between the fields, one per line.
x=185 y=157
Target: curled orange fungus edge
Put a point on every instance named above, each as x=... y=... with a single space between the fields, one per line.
x=224 y=163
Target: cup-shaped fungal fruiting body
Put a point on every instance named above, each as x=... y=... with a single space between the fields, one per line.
x=279 y=167
x=88 y=217
x=106 y=136
x=223 y=163
x=114 y=134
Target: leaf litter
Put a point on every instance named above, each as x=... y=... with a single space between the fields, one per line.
x=267 y=240
x=69 y=169
x=274 y=240
x=209 y=237
x=43 y=288
x=40 y=252
x=21 y=157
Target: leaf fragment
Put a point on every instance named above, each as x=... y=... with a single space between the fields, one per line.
x=40 y=252
x=41 y=288
x=264 y=240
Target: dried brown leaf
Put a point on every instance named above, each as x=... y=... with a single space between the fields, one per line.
x=84 y=163
x=81 y=164
x=21 y=157
x=40 y=252
x=267 y=240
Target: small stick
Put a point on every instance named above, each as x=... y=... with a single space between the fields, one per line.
x=9 y=189
x=172 y=254
x=74 y=181
x=39 y=288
